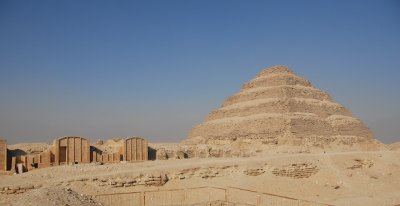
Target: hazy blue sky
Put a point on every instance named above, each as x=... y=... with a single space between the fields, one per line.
x=105 y=69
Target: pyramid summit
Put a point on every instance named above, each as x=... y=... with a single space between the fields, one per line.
x=278 y=107
x=279 y=69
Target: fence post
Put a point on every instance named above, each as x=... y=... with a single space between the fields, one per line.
x=144 y=198
x=226 y=194
x=258 y=200
x=209 y=197
x=184 y=196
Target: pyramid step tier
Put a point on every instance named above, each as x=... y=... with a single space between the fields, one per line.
x=276 y=80
x=273 y=127
x=275 y=105
x=283 y=91
x=279 y=69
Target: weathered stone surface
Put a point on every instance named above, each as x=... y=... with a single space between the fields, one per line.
x=254 y=171
x=359 y=163
x=27 y=187
x=280 y=108
x=11 y=191
x=161 y=154
x=3 y=154
x=158 y=180
x=303 y=170
x=14 y=188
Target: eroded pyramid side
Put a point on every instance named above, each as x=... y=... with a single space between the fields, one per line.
x=279 y=107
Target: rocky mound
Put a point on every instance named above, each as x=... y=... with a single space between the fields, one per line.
x=27 y=148
x=51 y=196
x=110 y=146
x=279 y=107
x=395 y=146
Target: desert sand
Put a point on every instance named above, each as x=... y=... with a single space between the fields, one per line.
x=343 y=178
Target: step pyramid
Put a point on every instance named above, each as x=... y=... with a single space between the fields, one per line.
x=279 y=107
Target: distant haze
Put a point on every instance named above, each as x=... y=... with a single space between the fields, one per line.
x=103 y=69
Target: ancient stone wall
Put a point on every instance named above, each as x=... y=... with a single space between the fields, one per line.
x=19 y=189
x=135 y=149
x=73 y=150
x=45 y=159
x=29 y=162
x=106 y=158
x=70 y=150
x=3 y=155
x=304 y=170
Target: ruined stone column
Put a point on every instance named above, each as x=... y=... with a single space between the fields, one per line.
x=3 y=155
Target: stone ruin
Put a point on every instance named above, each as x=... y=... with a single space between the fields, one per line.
x=303 y=170
x=71 y=150
x=3 y=155
x=279 y=107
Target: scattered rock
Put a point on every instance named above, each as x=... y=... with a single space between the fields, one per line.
x=359 y=163
x=254 y=172
x=302 y=170
x=161 y=154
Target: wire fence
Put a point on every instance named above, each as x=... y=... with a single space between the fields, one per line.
x=128 y=199
x=202 y=196
x=187 y=196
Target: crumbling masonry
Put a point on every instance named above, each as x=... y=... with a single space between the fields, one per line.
x=3 y=155
x=71 y=150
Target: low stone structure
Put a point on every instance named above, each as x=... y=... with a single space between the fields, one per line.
x=69 y=150
x=361 y=163
x=304 y=170
x=135 y=149
x=254 y=171
x=3 y=155
x=72 y=150
x=18 y=189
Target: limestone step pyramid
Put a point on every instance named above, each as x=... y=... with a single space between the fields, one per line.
x=279 y=107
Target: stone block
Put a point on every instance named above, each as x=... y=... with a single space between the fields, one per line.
x=135 y=149
x=3 y=155
x=11 y=191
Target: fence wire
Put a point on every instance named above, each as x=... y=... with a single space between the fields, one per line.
x=201 y=196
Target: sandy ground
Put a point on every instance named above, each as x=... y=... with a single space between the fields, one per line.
x=347 y=178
